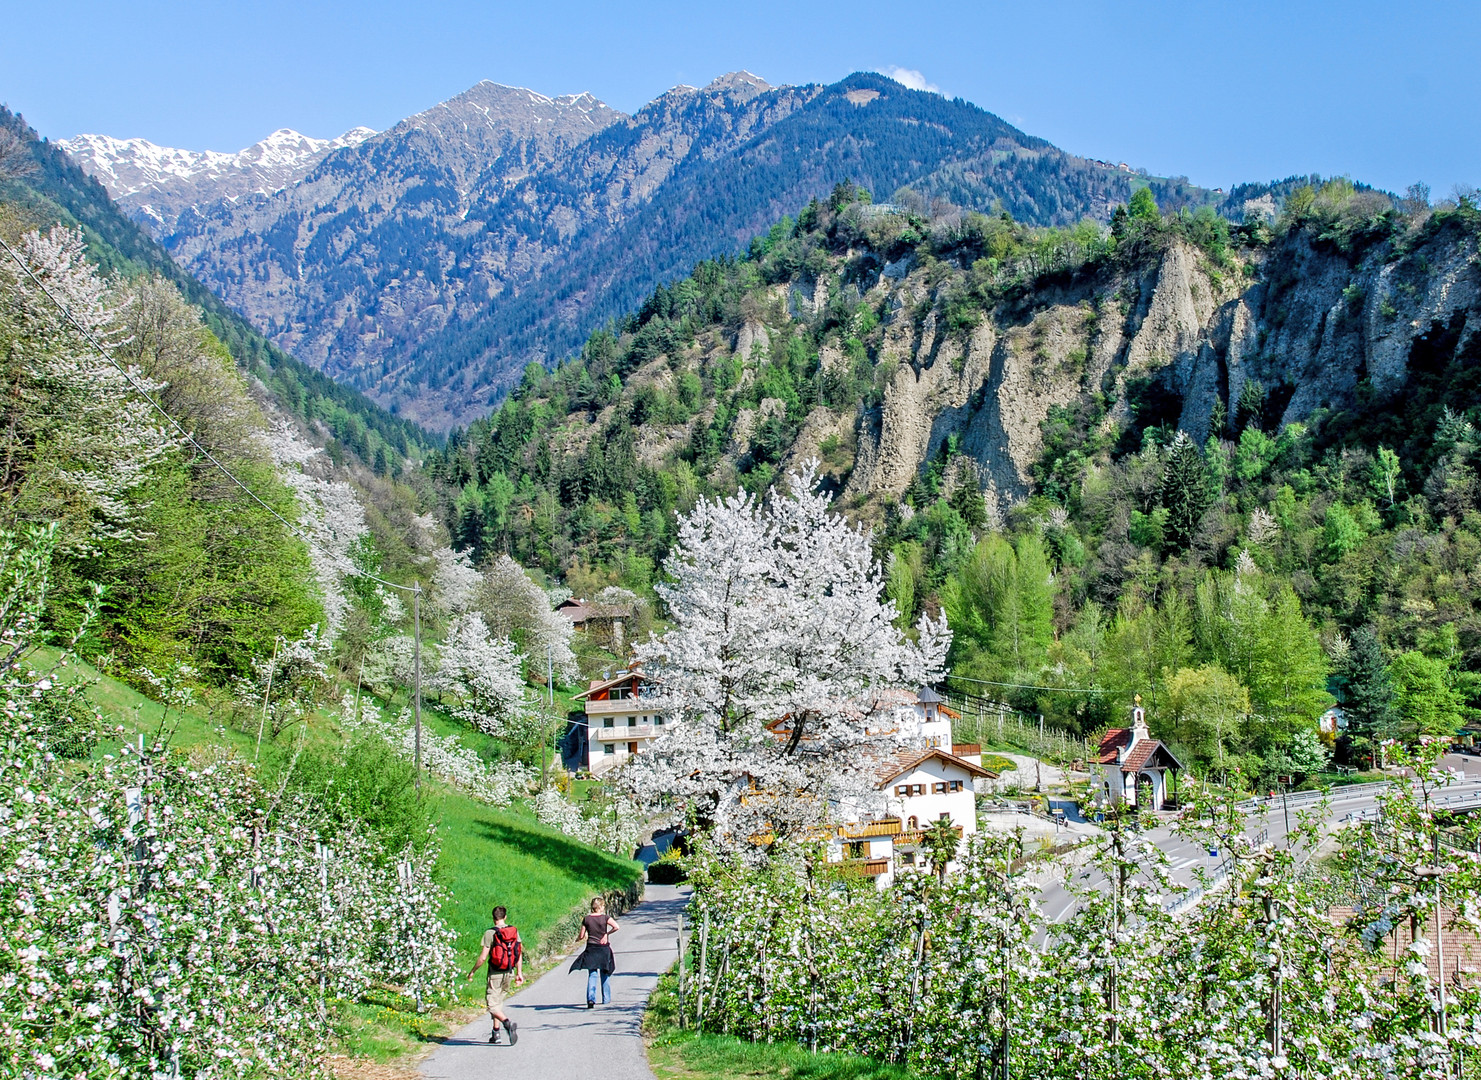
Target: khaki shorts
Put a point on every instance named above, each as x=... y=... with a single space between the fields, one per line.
x=500 y=983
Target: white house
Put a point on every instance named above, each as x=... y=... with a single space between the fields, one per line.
x=916 y=786
x=620 y=719
x=1133 y=768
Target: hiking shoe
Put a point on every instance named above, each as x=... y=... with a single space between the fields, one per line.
x=494 y=1035
x=591 y=1004
x=513 y=1029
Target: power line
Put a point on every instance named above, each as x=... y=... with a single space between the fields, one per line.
x=346 y=567
x=1026 y=686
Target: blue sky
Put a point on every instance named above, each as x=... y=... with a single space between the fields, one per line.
x=1222 y=92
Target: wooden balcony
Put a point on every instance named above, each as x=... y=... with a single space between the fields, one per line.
x=915 y=837
x=871 y=868
x=883 y=827
x=624 y=706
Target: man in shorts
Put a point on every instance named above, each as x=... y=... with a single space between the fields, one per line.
x=504 y=953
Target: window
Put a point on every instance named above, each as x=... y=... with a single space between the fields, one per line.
x=938 y=789
x=902 y=791
x=632 y=721
x=856 y=849
x=955 y=785
x=609 y=749
x=621 y=693
x=907 y=858
x=946 y=818
x=658 y=721
x=920 y=789
x=607 y=722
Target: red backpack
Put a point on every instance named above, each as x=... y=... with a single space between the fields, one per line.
x=505 y=951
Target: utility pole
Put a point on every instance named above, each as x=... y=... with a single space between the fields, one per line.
x=1285 y=809
x=416 y=668
x=550 y=686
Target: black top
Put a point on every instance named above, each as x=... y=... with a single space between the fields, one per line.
x=597 y=956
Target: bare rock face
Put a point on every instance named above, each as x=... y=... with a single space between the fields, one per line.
x=1309 y=325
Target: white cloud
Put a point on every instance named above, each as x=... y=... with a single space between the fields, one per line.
x=909 y=78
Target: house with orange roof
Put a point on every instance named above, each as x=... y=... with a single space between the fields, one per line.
x=621 y=719
x=916 y=787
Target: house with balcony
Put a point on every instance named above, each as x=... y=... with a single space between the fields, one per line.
x=916 y=786
x=621 y=720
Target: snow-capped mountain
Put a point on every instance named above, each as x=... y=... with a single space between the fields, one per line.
x=429 y=263
x=156 y=184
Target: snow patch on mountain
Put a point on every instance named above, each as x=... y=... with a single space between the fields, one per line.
x=157 y=183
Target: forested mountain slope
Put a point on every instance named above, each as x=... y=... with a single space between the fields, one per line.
x=49 y=187
x=429 y=263
x=967 y=378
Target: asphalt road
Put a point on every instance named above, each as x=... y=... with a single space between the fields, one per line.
x=1186 y=858
x=559 y=1037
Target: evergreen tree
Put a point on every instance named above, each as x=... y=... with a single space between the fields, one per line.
x=1218 y=419
x=1184 y=490
x=1369 y=703
x=1251 y=406
x=967 y=500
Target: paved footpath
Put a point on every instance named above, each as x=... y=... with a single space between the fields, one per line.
x=559 y=1037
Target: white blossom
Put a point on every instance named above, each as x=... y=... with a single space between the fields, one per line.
x=515 y=606
x=776 y=664
x=86 y=435
x=483 y=673
x=455 y=579
x=330 y=515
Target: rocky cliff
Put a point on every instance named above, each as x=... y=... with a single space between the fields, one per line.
x=1172 y=340
x=1288 y=327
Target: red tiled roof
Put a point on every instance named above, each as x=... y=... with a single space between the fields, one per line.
x=1111 y=743
x=1462 y=946
x=903 y=761
x=1140 y=754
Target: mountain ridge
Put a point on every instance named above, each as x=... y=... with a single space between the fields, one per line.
x=52 y=188
x=155 y=184
x=427 y=265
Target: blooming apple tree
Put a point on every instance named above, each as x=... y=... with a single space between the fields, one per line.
x=516 y=607
x=81 y=438
x=774 y=667
x=164 y=914
x=483 y=673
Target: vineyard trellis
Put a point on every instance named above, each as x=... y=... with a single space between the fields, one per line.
x=983 y=720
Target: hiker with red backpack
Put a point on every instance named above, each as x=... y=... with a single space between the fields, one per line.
x=505 y=954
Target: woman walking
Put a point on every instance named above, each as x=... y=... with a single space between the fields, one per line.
x=596 y=958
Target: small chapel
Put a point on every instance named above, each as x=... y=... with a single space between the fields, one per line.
x=1135 y=769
